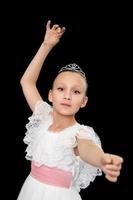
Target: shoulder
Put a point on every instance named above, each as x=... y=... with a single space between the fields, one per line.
x=41 y=113
x=88 y=132
x=42 y=106
x=82 y=129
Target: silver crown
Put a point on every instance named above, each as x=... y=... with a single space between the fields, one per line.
x=74 y=68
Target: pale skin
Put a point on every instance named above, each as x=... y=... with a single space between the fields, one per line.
x=67 y=96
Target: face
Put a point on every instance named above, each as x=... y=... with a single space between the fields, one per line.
x=68 y=94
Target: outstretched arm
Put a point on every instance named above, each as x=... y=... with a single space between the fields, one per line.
x=30 y=76
x=110 y=164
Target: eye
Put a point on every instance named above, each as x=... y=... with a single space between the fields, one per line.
x=76 y=92
x=60 y=88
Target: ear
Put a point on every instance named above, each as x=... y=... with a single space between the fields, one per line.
x=85 y=100
x=50 y=96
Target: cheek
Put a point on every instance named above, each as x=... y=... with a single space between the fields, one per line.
x=56 y=96
x=78 y=101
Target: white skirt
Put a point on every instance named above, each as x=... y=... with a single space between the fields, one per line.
x=32 y=189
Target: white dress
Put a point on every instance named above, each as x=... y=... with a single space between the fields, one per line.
x=56 y=150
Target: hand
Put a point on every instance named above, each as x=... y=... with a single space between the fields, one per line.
x=111 y=166
x=53 y=35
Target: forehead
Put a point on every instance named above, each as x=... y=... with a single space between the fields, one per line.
x=71 y=78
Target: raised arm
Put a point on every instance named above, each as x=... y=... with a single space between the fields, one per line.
x=30 y=76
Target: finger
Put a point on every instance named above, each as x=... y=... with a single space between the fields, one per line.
x=61 y=31
x=113 y=167
x=55 y=26
x=113 y=173
x=58 y=30
x=48 y=24
x=117 y=160
x=111 y=178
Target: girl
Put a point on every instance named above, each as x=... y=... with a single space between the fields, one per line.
x=65 y=155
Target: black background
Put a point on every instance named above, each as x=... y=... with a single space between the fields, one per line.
x=98 y=38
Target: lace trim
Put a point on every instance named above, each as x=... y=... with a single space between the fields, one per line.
x=33 y=133
x=86 y=132
x=87 y=174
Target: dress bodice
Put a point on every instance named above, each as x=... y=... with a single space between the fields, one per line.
x=55 y=149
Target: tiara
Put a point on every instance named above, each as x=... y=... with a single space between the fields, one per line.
x=74 y=68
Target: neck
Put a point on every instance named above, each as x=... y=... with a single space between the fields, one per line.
x=61 y=122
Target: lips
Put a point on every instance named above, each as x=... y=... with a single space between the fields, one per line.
x=65 y=104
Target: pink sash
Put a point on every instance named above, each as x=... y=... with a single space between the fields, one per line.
x=51 y=176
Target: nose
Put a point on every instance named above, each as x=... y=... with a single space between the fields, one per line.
x=67 y=95
x=67 y=98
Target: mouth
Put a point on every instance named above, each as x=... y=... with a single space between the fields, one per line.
x=65 y=104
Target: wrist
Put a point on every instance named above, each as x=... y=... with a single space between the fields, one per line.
x=47 y=45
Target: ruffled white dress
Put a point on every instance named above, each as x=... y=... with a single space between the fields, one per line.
x=56 y=150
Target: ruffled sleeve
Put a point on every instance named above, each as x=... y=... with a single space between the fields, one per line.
x=33 y=133
x=87 y=132
x=87 y=173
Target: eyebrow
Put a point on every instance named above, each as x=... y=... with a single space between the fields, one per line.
x=73 y=86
